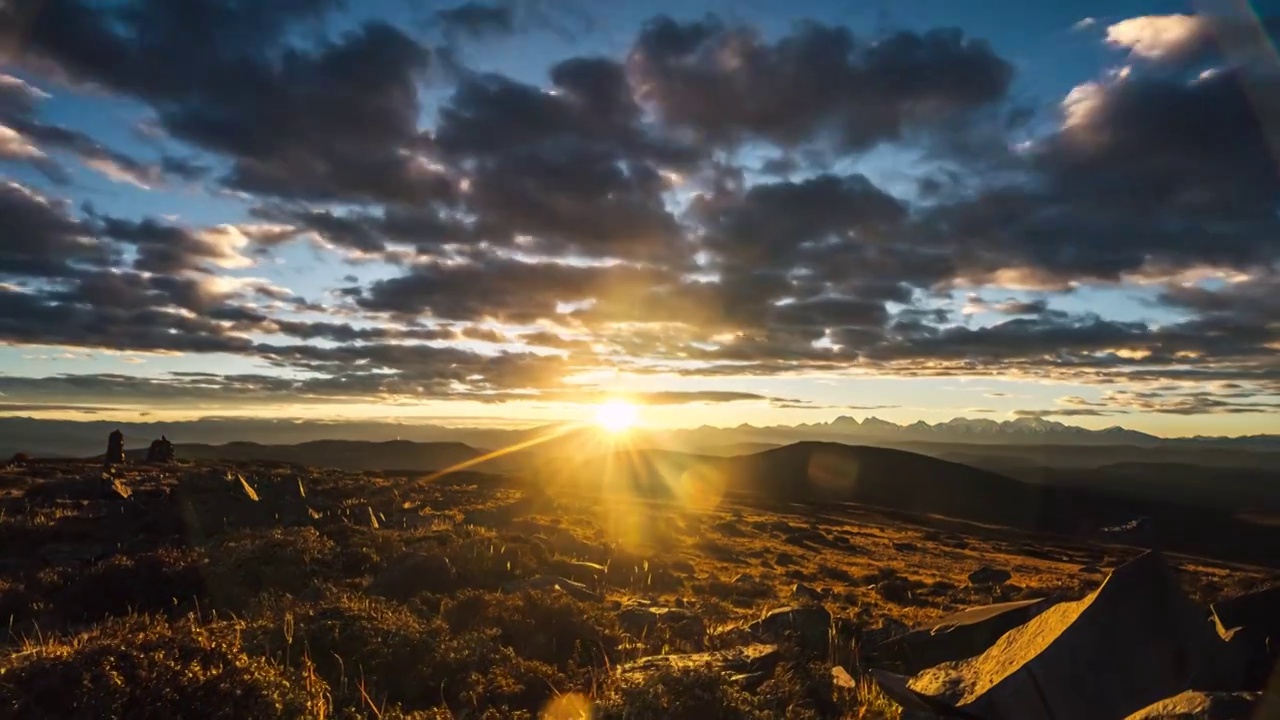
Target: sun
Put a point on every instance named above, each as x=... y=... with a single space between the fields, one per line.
x=616 y=416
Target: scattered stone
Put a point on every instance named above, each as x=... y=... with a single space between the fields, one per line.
x=842 y=679
x=113 y=488
x=809 y=626
x=581 y=571
x=644 y=620
x=115 y=449
x=1195 y=705
x=741 y=664
x=784 y=559
x=987 y=575
x=804 y=593
x=959 y=636
x=575 y=590
x=889 y=629
x=413 y=574
x=905 y=547
x=895 y=590
x=246 y=488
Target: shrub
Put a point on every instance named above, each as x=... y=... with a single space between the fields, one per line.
x=144 y=668
x=548 y=626
x=370 y=646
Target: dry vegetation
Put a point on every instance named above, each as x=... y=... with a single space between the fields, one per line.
x=220 y=590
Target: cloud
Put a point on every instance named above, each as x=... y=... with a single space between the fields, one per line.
x=1062 y=412
x=337 y=120
x=728 y=83
x=1158 y=36
x=24 y=138
x=42 y=239
x=476 y=20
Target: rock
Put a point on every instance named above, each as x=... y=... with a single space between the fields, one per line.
x=906 y=547
x=580 y=571
x=1253 y=619
x=115 y=449
x=160 y=451
x=842 y=679
x=575 y=590
x=113 y=488
x=413 y=574
x=987 y=575
x=958 y=636
x=1195 y=705
x=644 y=620
x=895 y=590
x=889 y=629
x=805 y=593
x=745 y=664
x=1138 y=638
x=1090 y=570
x=808 y=626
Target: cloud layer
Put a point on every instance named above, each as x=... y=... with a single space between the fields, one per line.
x=700 y=205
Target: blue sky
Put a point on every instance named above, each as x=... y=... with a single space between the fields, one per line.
x=977 y=355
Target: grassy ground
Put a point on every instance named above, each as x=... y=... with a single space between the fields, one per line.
x=232 y=590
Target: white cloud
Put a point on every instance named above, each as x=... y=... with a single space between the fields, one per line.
x=1157 y=36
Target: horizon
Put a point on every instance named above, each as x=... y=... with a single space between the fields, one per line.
x=639 y=428
x=724 y=213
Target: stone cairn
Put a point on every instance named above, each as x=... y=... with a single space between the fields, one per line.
x=115 y=449
x=160 y=451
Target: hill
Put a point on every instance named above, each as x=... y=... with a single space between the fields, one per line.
x=342 y=454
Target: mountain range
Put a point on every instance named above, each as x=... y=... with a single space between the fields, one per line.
x=82 y=438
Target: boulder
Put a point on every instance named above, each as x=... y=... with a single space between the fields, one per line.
x=1196 y=705
x=955 y=637
x=804 y=593
x=809 y=627
x=644 y=620
x=1134 y=641
x=989 y=576
x=842 y=679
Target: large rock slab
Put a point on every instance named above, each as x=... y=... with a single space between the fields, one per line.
x=1253 y=619
x=1195 y=705
x=956 y=637
x=1134 y=641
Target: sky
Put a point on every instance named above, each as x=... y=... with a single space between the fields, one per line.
x=729 y=212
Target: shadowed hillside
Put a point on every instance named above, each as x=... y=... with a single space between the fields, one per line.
x=343 y=454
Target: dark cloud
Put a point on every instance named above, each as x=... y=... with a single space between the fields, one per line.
x=503 y=290
x=1062 y=412
x=8 y=407
x=167 y=249
x=24 y=138
x=41 y=239
x=728 y=83
x=476 y=20
x=1151 y=174
x=333 y=121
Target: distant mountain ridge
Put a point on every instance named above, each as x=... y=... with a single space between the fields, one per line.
x=68 y=438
